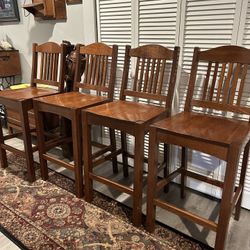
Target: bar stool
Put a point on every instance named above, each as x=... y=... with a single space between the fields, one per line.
x=222 y=72
x=48 y=62
x=132 y=117
x=99 y=77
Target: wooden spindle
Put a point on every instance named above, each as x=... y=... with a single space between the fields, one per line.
x=141 y=75
x=206 y=81
x=234 y=83
x=135 y=87
x=146 y=75
x=162 y=72
x=243 y=77
x=221 y=80
x=227 y=83
x=155 y=83
x=213 y=81
x=151 y=79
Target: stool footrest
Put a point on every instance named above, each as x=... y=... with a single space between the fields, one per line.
x=10 y=136
x=115 y=185
x=57 y=141
x=101 y=152
x=106 y=157
x=167 y=179
x=203 y=178
x=13 y=150
x=186 y=214
x=59 y=162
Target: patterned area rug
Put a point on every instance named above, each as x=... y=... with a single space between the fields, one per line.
x=46 y=215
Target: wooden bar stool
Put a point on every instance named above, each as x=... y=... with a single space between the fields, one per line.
x=99 y=77
x=154 y=63
x=48 y=62
x=221 y=73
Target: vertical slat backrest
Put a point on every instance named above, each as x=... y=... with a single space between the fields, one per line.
x=100 y=68
x=48 y=65
x=151 y=63
x=223 y=82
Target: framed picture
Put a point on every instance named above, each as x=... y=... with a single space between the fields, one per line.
x=9 y=11
x=73 y=1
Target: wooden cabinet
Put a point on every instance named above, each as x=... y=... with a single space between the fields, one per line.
x=47 y=9
x=9 y=63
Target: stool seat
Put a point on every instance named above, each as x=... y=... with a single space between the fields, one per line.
x=72 y=100
x=127 y=111
x=26 y=93
x=207 y=128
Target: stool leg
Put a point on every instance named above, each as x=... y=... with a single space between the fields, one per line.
x=27 y=142
x=183 y=168
x=226 y=200
x=87 y=158
x=3 y=157
x=138 y=172
x=113 y=149
x=41 y=142
x=242 y=180
x=10 y=130
x=167 y=161
x=76 y=138
x=124 y=154
x=152 y=179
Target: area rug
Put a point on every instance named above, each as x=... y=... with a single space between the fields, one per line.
x=46 y=215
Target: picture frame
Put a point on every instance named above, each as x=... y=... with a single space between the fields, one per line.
x=9 y=11
x=73 y=1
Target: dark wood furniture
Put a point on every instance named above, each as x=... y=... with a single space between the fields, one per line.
x=48 y=61
x=9 y=63
x=9 y=68
x=225 y=138
x=132 y=117
x=99 y=77
x=47 y=9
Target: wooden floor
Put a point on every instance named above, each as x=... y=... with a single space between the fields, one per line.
x=239 y=232
x=6 y=244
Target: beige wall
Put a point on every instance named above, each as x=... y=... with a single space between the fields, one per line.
x=78 y=28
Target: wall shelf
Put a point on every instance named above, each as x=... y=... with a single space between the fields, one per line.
x=47 y=9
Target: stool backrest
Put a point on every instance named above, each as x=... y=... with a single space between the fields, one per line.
x=48 y=65
x=100 y=68
x=153 y=65
x=220 y=74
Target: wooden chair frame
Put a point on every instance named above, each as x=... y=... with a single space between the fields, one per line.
x=21 y=100
x=204 y=132
x=69 y=105
x=148 y=84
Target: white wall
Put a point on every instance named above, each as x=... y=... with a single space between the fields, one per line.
x=80 y=27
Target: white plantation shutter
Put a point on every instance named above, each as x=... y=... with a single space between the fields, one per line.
x=187 y=23
x=114 y=27
x=157 y=22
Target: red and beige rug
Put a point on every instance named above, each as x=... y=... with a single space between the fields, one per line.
x=46 y=215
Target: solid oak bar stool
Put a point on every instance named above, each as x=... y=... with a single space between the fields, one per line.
x=98 y=80
x=48 y=62
x=222 y=88
x=154 y=63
